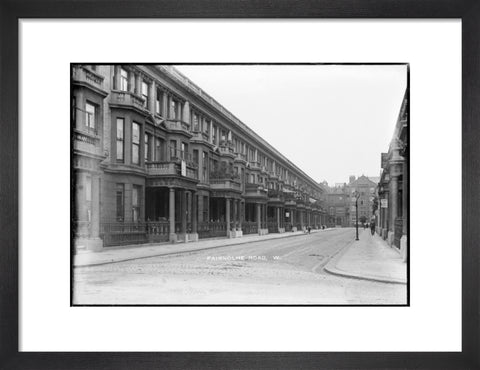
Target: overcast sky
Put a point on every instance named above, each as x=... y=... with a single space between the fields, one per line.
x=332 y=121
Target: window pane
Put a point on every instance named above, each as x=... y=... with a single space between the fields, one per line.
x=123 y=80
x=145 y=94
x=90 y=115
x=135 y=154
x=135 y=143
x=120 y=142
x=173 y=109
x=195 y=122
x=135 y=133
x=119 y=150
x=147 y=139
x=158 y=152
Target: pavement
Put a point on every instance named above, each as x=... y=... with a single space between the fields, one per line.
x=369 y=258
x=133 y=252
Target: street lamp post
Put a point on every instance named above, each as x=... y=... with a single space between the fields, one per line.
x=356 y=194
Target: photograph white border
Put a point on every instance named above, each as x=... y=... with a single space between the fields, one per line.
x=433 y=320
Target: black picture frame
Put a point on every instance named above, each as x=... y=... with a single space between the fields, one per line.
x=11 y=11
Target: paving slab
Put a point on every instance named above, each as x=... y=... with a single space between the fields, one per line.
x=369 y=258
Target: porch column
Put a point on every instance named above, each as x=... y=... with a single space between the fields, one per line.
x=292 y=217
x=265 y=216
x=186 y=112
x=117 y=77
x=194 y=212
x=241 y=208
x=151 y=97
x=164 y=104
x=259 y=225
x=138 y=84
x=394 y=199
x=171 y=205
x=278 y=217
x=131 y=82
x=235 y=215
x=386 y=212
x=95 y=228
x=183 y=207
x=227 y=215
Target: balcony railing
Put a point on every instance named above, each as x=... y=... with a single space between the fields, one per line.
x=169 y=169
x=226 y=143
x=178 y=125
x=224 y=174
x=249 y=227
x=211 y=229
x=122 y=233
x=200 y=136
x=241 y=156
x=127 y=99
x=83 y=74
x=161 y=168
x=255 y=165
x=253 y=186
x=226 y=150
x=275 y=195
x=255 y=190
x=88 y=136
x=224 y=184
x=177 y=155
x=192 y=173
x=272 y=175
x=87 y=141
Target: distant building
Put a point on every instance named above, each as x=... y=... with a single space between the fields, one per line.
x=393 y=186
x=366 y=189
x=337 y=206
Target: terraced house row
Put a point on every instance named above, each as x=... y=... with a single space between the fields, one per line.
x=156 y=159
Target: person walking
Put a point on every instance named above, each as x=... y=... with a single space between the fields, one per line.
x=372 y=227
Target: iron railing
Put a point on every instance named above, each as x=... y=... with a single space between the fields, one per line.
x=249 y=227
x=123 y=233
x=82 y=229
x=211 y=229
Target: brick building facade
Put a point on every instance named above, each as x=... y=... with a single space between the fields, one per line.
x=366 y=189
x=337 y=206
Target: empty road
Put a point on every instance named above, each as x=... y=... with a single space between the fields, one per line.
x=281 y=271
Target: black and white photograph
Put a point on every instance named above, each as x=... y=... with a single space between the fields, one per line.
x=240 y=184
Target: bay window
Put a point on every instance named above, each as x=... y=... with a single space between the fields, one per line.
x=135 y=143
x=90 y=116
x=123 y=79
x=120 y=139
